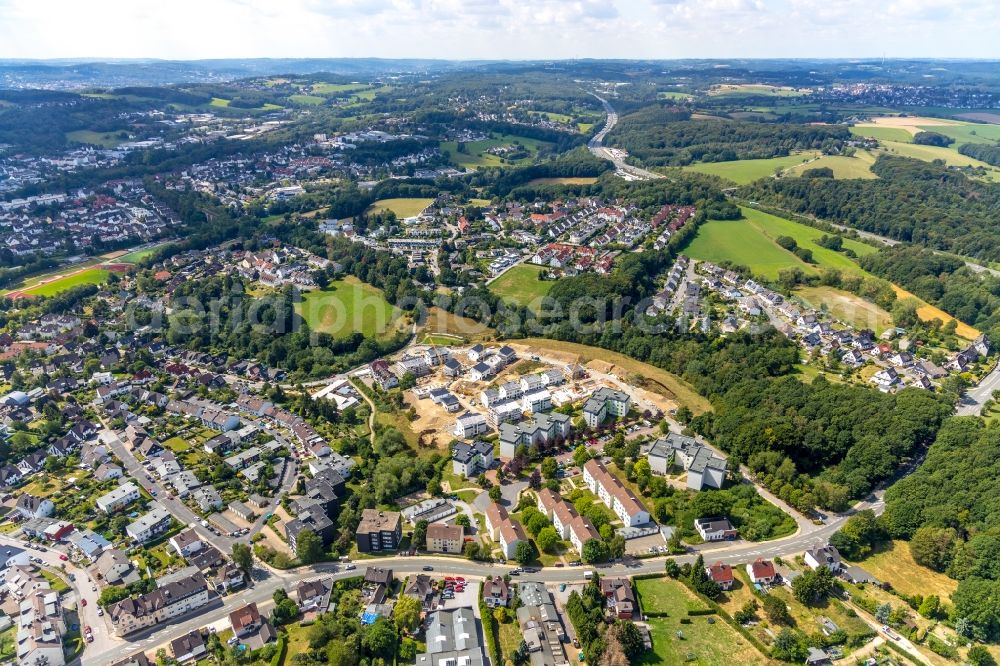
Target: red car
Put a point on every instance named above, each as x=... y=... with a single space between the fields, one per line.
x=447 y=578
x=63 y=558
x=83 y=602
x=459 y=579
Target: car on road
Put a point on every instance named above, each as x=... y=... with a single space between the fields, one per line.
x=428 y=568
x=100 y=612
x=63 y=558
x=93 y=588
x=349 y=567
x=83 y=602
x=576 y=643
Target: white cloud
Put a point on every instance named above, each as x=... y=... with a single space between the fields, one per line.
x=515 y=29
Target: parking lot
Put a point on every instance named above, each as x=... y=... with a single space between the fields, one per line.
x=469 y=596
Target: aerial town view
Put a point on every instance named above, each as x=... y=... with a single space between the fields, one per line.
x=555 y=334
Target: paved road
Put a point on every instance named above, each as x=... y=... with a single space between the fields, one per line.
x=82 y=589
x=596 y=146
x=972 y=402
x=267 y=582
x=174 y=505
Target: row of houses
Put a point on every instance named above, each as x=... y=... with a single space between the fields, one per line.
x=614 y=494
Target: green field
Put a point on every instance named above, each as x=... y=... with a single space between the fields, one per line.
x=553 y=116
x=346 y=306
x=89 y=137
x=401 y=207
x=88 y=276
x=219 y=101
x=308 y=100
x=331 y=88
x=579 y=180
x=742 y=172
x=968 y=132
x=475 y=155
x=698 y=642
x=521 y=285
x=883 y=133
x=858 y=166
x=756 y=89
x=750 y=242
x=848 y=308
x=138 y=255
x=950 y=156
x=671 y=94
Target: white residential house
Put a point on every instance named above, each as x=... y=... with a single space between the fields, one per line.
x=470 y=425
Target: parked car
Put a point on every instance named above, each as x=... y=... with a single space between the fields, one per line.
x=63 y=558
x=100 y=612
x=83 y=602
x=428 y=568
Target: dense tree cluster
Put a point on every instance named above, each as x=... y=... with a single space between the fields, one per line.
x=851 y=436
x=914 y=201
x=932 y=139
x=983 y=152
x=665 y=136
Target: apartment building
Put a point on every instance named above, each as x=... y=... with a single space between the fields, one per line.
x=614 y=494
x=379 y=530
x=161 y=605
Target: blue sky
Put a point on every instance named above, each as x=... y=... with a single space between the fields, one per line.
x=511 y=29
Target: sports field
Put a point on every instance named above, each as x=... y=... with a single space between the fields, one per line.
x=742 y=172
x=521 y=285
x=843 y=167
x=346 y=306
x=402 y=207
x=847 y=307
x=52 y=286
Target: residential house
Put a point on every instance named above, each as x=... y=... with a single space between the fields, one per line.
x=762 y=572
x=445 y=538
x=245 y=620
x=168 y=601
x=502 y=529
x=189 y=647
x=826 y=556
x=496 y=593
x=703 y=467
x=715 y=529
x=721 y=574
x=149 y=525
x=470 y=460
x=620 y=598
x=119 y=498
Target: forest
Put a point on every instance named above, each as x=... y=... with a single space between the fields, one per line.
x=666 y=136
x=949 y=509
x=982 y=151
x=913 y=201
x=850 y=436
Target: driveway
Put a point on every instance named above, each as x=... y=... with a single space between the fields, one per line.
x=509 y=496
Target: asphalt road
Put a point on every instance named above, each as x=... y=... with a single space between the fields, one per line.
x=267 y=582
x=596 y=146
x=972 y=402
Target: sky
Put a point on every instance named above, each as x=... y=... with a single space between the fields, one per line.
x=499 y=29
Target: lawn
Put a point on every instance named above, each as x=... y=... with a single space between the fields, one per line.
x=649 y=377
x=843 y=167
x=520 y=285
x=847 y=307
x=403 y=207
x=475 y=155
x=700 y=641
x=894 y=564
x=298 y=639
x=90 y=137
x=59 y=284
x=742 y=172
x=308 y=100
x=220 y=102
x=346 y=306
x=55 y=582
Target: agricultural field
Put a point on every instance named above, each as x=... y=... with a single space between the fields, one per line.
x=346 y=306
x=520 y=285
x=847 y=307
x=92 y=138
x=882 y=133
x=219 y=102
x=442 y=322
x=739 y=242
x=706 y=640
x=950 y=156
x=308 y=100
x=582 y=180
x=475 y=155
x=756 y=89
x=894 y=564
x=402 y=207
x=843 y=167
x=53 y=286
x=742 y=172
x=332 y=88
x=672 y=94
